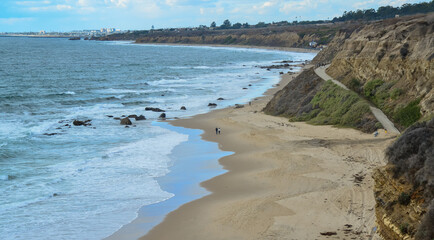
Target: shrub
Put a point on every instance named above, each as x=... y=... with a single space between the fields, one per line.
x=396 y=93
x=355 y=85
x=404 y=199
x=425 y=230
x=354 y=115
x=371 y=86
x=409 y=114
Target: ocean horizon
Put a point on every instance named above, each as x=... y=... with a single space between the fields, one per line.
x=61 y=181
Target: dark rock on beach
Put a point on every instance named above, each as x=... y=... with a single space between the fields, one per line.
x=141 y=117
x=162 y=116
x=212 y=105
x=82 y=123
x=50 y=134
x=132 y=116
x=117 y=118
x=154 y=109
x=126 y=121
x=183 y=108
x=220 y=99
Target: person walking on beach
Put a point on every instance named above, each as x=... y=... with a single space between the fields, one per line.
x=219 y=131
x=216 y=131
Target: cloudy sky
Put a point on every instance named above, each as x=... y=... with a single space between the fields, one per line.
x=67 y=15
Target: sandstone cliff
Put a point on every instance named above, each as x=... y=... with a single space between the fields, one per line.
x=398 y=54
x=404 y=189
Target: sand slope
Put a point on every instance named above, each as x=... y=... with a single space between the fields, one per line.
x=285 y=180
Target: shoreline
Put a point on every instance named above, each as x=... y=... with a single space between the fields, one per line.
x=284 y=49
x=255 y=198
x=150 y=215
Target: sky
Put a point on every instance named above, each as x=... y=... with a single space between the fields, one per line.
x=68 y=15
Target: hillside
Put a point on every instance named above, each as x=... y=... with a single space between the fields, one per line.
x=309 y=98
x=390 y=63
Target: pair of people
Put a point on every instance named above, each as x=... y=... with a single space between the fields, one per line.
x=218 y=131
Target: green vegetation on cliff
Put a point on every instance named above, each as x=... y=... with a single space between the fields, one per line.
x=309 y=98
x=336 y=106
x=387 y=96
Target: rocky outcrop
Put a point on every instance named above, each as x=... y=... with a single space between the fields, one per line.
x=404 y=189
x=82 y=123
x=154 y=109
x=399 y=52
x=139 y=118
x=126 y=121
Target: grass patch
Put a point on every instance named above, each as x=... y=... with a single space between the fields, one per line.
x=396 y=93
x=409 y=114
x=333 y=105
x=370 y=87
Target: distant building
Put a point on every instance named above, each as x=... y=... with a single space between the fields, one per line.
x=42 y=32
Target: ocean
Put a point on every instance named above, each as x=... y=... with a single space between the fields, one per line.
x=60 y=181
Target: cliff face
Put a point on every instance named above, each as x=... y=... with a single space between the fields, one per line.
x=274 y=36
x=294 y=99
x=404 y=189
x=286 y=39
x=399 y=53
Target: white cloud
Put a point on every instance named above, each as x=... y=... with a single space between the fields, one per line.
x=171 y=2
x=218 y=9
x=392 y=2
x=262 y=8
x=32 y=3
x=118 y=3
x=12 y=21
x=59 y=7
x=294 y=6
x=363 y=4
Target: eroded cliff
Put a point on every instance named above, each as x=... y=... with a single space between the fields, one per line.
x=390 y=62
x=404 y=189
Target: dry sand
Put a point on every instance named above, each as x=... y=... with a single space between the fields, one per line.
x=285 y=180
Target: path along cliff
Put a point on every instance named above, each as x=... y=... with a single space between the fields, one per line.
x=379 y=115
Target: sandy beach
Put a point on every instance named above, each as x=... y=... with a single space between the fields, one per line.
x=284 y=181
